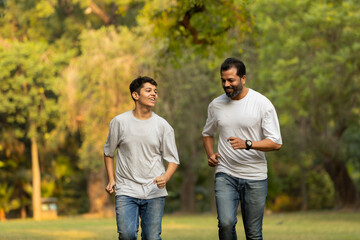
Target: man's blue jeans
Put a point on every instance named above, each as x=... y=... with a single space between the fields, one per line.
x=128 y=211
x=251 y=194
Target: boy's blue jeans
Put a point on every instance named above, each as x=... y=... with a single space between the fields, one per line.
x=128 y=212
x=251 y=194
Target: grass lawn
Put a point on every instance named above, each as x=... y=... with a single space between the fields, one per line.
x=290 y=226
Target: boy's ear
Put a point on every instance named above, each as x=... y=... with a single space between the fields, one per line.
x=135 y=95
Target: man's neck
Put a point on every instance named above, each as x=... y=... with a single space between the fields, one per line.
x=242 y=94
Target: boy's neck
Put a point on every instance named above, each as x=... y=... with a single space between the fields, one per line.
x=142 y=113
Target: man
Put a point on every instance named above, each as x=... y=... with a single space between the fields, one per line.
x=142 y=140
x=248 y=127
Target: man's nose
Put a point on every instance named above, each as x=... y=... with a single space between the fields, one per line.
x=226 y=84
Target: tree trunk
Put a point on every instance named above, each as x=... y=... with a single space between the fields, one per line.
x=303 y=136
x=348 y=196
x=187 y=198
x=304 y=197
x=23 y=212
x=98 y=197
x=36 y=180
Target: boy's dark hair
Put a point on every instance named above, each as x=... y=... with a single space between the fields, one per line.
x=137 y=84
x=233 y=62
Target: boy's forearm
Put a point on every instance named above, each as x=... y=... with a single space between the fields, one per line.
x=109 y=166
x=170 y=170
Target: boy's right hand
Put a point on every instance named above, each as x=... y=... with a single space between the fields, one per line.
x=110 y=187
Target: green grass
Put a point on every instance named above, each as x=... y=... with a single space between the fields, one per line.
x=290 y=226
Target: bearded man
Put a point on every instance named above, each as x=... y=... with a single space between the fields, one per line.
x=249 y=127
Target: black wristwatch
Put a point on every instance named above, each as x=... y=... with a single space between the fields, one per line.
x=248 y=144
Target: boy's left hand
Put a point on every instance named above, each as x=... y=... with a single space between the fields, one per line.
x=160 y=181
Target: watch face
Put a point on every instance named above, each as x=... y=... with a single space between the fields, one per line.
x=248 y=144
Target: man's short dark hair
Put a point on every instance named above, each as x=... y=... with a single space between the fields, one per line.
x=138 y=83
x=233 y=62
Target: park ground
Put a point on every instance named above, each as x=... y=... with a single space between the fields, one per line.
x=328 y=225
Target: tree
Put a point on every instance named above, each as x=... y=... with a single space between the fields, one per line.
x=308 y=64
x=205 y=27
x=28 y=95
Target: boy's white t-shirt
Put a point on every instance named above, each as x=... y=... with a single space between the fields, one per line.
x=254 y=118
x=141 y=146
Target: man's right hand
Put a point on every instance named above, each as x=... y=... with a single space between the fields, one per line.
x=213 y=160
x=110 y=187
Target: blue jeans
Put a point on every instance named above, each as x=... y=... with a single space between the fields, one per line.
x=251 y=194
x=128 y=211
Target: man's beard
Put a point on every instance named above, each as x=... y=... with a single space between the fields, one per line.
x=236 y=91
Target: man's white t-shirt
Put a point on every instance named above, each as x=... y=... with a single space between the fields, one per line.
x=141 y=146
x=254 y=118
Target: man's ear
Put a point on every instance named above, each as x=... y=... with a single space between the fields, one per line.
x=243 y=79
x=135 y=95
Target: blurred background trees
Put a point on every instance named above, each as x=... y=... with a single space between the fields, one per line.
x=312 y=67
x=66 y=66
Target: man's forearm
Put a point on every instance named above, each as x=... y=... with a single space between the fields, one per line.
x=208 y=145
x=265 y=145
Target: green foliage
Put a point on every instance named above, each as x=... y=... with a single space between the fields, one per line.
x=13 y=171
x=320 y=64
x=207 y=27
x=70 y=184
x=7 y=203
x=28 y=85
x=58 y=22
x=321 y=194
x=352 y=152
x=308 y=66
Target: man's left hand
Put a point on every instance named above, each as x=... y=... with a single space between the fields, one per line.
x=237 y=143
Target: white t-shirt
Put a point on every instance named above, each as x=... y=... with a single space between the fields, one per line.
x=254 y=118
x=141 y=145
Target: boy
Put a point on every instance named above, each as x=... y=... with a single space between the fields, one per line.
x=142 y=140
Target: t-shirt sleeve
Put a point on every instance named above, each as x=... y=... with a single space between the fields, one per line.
x=113 y=138
x=271 y=127
x=169 y=150
x=211 y=126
